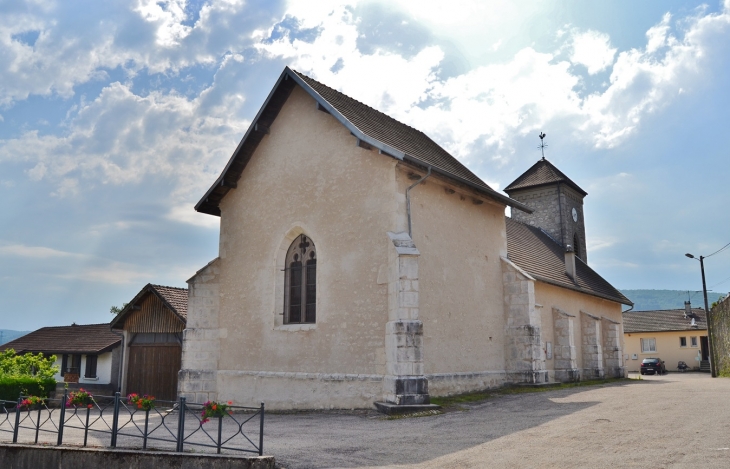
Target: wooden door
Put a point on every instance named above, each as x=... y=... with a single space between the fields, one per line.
x=153 y=370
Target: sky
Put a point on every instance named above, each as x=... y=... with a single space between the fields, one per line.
x=116 y=117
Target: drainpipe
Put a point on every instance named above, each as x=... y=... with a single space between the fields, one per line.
x=408 y=201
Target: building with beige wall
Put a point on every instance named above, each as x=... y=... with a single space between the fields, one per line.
x=359 y=262
x=673 y=335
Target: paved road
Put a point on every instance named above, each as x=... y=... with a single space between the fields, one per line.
x=672 y=421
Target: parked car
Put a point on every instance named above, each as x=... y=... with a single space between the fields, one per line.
x=653 y=366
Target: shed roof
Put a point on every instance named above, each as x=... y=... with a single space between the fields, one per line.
x=376 y=129
x=79 y=339
x=664 y=320
x=174 y=298
x=539 y=174
x=538 y=254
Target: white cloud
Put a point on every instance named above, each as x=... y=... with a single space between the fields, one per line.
x=112 y=273
x=121 y=138
x=186 y=214
x=491 y=105
x=593 y=50
x=35 y=252
x=73 y=49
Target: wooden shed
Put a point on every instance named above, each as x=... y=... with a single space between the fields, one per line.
x=152 y=325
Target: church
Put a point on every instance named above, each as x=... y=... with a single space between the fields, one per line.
x=361 y=263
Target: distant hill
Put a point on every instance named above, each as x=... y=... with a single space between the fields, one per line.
x=6 y=335
x=645 y=300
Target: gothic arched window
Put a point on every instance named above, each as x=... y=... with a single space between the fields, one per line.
x=300 y=284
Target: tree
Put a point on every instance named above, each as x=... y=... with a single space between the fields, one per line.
x=116 y=309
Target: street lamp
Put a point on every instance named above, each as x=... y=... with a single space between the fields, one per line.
x=707 y=314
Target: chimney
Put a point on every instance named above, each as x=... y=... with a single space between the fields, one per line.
x=570 y=261
x=687 y=309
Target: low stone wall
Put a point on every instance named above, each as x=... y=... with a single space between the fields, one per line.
x=720 y=329
x=14 y=456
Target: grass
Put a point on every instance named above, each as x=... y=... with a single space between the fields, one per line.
x=459 y=399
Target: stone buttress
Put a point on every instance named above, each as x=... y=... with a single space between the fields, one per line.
x=197 y=380
x=564 y=352
x=613 y=358
x=524 y=355
x=404 y=383
x=592 y=349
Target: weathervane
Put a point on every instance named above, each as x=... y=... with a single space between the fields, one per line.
x=542 y=144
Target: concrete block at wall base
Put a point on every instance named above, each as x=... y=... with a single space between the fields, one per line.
x=567 y=375
x=15 y=456
x=593 y=373
x=531 y=377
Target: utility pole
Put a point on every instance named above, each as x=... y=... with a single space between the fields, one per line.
x=710 y=352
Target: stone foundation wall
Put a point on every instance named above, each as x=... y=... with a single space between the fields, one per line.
x=287 y=391
x=15 y=456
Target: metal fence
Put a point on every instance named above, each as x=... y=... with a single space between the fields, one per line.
x=169 y=425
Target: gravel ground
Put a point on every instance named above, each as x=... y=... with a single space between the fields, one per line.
x=672 y=421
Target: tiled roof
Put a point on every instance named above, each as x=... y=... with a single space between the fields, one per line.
x=88 y=338
x=391 y=132
x=663 y=320
x=371 y=126
x=176 y=297
x=542 y=173
x=536 y=253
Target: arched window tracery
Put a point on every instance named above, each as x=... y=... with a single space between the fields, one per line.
x=300 y=285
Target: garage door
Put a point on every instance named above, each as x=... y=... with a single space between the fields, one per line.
x=153 y=370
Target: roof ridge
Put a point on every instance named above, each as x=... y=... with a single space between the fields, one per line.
x=73 y=325
x=364 y=104
x=167 y=286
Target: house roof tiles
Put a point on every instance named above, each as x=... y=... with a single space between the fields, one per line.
x=539 y=255
x=664 y=320
x=79 y=339
x=175 y=297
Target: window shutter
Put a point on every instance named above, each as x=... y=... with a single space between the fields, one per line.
x=90 y=366
x=64 y=364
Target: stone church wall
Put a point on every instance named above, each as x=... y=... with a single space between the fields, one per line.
x=461 y=238
x=720 y=329
x=573 y=306
x=307 y=176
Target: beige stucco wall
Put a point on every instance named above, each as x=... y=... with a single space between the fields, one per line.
x=667 y=348
x=307 y=176
x=549 y=296
x=460 y=283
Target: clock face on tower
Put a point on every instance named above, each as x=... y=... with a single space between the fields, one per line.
x=575 y=214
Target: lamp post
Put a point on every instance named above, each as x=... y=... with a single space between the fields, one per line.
x=707 y=315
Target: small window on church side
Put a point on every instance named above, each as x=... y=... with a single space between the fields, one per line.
x=300 y=284
x=576 y=244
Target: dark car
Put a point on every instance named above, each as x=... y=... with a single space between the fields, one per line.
x=653 y=366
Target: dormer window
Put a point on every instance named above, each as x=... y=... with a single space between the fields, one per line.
x=300 y=285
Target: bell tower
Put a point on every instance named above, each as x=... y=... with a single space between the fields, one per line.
x=557 y=203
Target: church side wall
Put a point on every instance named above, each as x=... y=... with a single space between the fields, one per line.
x=460 y=285
x=307 y=176
x=578 y=305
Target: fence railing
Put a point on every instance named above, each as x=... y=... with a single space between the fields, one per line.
x=169 y=425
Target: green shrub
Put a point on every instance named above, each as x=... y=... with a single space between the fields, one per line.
x=12 y=386
x=27 y=364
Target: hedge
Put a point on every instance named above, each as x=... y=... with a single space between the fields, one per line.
x=12 y=386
